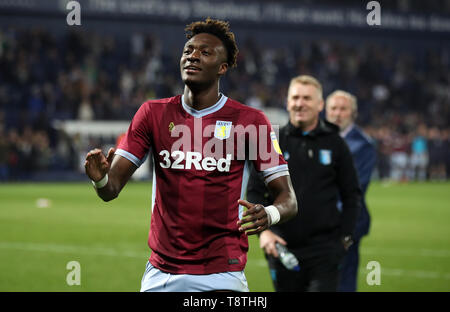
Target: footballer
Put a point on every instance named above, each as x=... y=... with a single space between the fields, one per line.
x=202 y=143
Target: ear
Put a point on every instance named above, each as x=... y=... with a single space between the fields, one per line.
x=223 y=69
x=321 y=105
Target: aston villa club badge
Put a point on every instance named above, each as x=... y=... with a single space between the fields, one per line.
x=222 y=130
x=325 y=157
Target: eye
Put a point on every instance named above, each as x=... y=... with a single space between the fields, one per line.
x=187 y=52
x=205 y=52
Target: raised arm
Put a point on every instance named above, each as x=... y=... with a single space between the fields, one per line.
x=113 y=170
x=258 y=218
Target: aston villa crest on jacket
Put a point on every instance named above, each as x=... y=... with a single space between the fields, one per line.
x=325 y=156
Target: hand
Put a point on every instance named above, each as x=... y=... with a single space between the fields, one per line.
x=267 y=241
x=255 y=215
x=97 y=165
x=347 y=241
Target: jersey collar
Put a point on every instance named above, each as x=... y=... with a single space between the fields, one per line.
x=206 y=111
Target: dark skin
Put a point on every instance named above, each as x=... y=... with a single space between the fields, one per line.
x=203 y=62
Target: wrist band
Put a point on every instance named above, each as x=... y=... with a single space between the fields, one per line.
x=273 y=213
x=101 y=183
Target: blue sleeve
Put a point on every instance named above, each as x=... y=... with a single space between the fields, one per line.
x=365 y=160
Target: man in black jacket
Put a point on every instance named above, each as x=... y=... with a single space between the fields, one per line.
x=323 y=174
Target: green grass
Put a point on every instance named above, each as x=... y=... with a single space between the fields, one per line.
x=410 y=238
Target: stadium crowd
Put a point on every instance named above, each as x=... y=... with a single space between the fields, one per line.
x=403 y=94
x=403 y=6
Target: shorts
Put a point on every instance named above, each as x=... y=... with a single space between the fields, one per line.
x=419 y=160
x=159 y=281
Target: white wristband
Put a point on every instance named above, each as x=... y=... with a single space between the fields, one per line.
x=273 y=214
x=101 y=183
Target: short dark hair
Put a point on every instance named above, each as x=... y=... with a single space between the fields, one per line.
x=221 y=30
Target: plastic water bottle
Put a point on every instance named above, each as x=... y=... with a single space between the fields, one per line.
x=287 y=258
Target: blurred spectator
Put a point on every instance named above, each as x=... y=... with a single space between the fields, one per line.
x=446 y=138
x=41 y=154
x=437 y=148
x=13 y=154
x=85 y=111
x=384 y=149
x=4 y=152
x=419 y=155
x=399 y=157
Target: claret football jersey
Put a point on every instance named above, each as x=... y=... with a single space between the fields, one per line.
x=201 y=168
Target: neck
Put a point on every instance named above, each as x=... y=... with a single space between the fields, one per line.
x=346 y=130
x=201 y=99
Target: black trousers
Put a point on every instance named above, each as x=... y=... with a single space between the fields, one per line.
x=319 y=273
x=349 y=269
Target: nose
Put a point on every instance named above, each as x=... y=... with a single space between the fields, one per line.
x=333 y=112
x=194 y=56
x=300 y=103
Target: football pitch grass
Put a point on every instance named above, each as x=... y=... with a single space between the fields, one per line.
x=45 y=226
